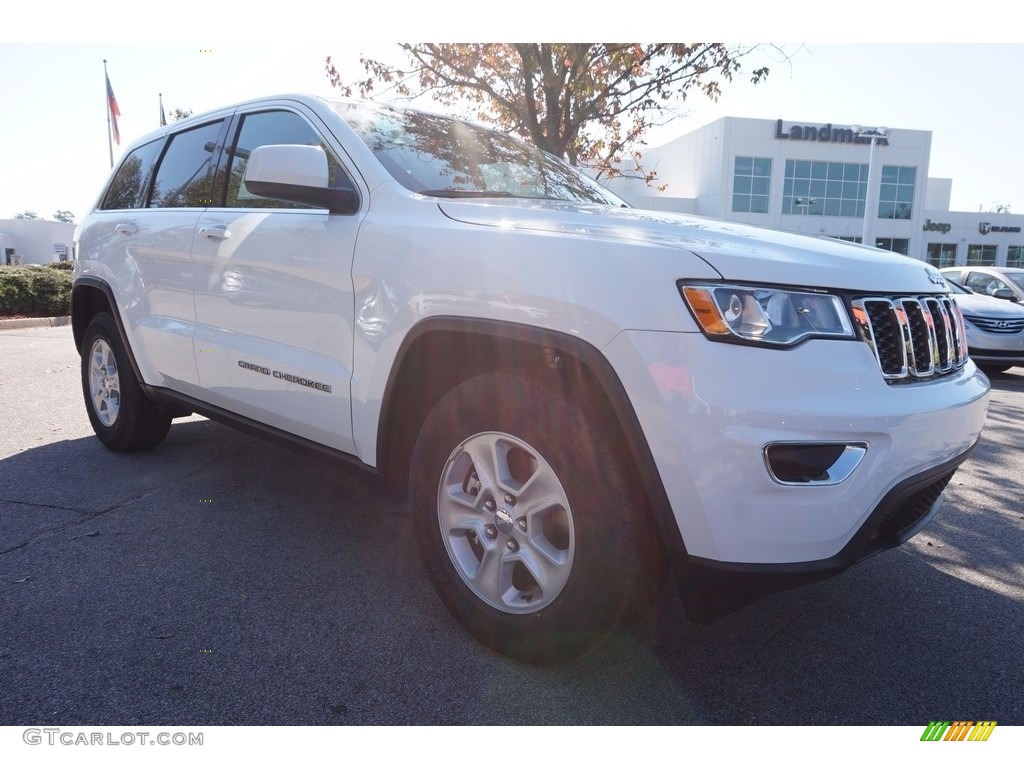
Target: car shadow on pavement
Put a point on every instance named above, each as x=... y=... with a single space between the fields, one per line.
x=219 y=579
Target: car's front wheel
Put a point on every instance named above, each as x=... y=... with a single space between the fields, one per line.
x=528 y=525
x=122 y=417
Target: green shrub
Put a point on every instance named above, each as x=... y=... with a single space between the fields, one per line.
x=36 y=291
x=62 y=266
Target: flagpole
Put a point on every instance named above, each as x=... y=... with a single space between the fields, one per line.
x=106 y=98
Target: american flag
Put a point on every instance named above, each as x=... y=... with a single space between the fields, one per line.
x=114 y=112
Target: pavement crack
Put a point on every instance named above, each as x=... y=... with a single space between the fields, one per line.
x=87 y=517
x=44 y=506
x=99 y=513
x=15 y=548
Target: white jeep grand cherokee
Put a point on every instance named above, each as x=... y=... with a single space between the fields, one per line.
x=572 y=394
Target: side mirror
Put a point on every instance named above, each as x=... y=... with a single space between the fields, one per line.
x=295 y=173
x=1003 y=293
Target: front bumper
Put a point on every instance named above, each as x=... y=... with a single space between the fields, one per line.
x=712 y=590
x=709 y=409
x=994 y=348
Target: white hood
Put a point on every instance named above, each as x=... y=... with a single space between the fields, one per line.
x=735 y=251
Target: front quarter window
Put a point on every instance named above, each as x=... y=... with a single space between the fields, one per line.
x=274 y=127
x=443 y=157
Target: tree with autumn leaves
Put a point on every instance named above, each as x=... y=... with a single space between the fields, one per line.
x=588 y=103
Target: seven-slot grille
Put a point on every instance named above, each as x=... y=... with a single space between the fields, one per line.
x=913 y=337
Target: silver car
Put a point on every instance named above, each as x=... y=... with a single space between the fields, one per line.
x=999 y=282
x=995 y=329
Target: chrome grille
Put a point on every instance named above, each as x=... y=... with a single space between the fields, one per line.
x=995 y=324
x=913 y=337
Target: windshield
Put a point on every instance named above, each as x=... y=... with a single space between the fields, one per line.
x=1017 y=277
x=443 y=157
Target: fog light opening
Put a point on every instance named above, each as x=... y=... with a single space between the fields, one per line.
x=813 y=463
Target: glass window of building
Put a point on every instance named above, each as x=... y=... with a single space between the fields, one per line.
x=896 y=195
x=981 y=255
x=824 y=189
x=894 y=244
x=1015 y=256
x=751 y=182
x=942 y=254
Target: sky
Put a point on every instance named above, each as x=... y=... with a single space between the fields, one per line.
x=53 y=130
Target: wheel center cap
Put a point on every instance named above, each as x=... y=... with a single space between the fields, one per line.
x=503 y=520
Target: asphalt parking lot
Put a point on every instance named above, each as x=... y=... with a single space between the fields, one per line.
x=222 y=580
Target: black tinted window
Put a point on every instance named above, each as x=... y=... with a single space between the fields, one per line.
x=184 y=178
x=278 y=127
x=128 y=187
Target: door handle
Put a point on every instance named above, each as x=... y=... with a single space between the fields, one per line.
x=215 y=233
x=126 y=228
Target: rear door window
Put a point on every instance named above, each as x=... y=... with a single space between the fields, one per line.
x=184 y=178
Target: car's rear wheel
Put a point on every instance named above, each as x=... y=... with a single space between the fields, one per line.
x=122 y=417
x=529 y=527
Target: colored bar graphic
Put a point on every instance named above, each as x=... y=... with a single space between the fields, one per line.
x=935 y=730
x=958 y=730
x=982 y=730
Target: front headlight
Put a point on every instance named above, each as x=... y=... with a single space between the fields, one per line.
x=763 y=315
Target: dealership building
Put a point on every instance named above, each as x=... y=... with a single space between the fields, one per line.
x=825 y=179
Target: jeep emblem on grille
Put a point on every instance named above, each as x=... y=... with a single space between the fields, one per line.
x=935 y=276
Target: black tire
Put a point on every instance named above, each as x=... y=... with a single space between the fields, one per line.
x=547 y=572
x=123 y=418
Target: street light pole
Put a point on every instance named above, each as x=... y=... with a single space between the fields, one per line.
x=872 y=196
x=804 y=204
